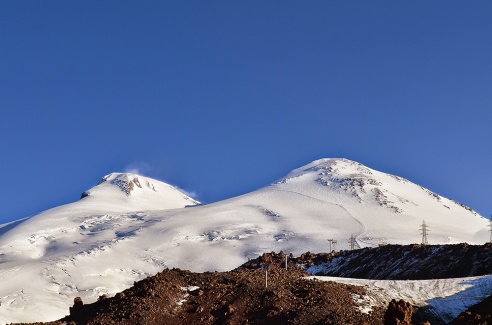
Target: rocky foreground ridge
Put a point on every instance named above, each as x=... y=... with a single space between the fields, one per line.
x=237 y=297
x=250 y=295
x=393 y=262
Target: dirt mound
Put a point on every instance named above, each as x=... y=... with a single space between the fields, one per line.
x=391 y=262
x=235 y=297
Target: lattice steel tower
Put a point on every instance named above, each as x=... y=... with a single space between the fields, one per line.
x=352 y=242
x=423 y=230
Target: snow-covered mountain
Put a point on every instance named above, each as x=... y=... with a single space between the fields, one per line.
x=133 y=192
x=129 y=226
x=57 y=229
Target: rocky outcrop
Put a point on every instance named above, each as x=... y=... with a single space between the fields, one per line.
x=235 y=297
x=78 y=307
x=398 y=313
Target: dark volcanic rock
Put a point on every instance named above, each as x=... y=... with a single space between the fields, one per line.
x=417 y=262
x=479 y=314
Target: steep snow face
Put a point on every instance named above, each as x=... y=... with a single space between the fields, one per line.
x=350 y=178
x=129 y=226
x=387 y=206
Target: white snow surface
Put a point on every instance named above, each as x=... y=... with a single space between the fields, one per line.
x=130 y=227
x=445 y=298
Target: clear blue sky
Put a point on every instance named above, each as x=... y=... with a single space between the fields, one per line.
x=223 y=97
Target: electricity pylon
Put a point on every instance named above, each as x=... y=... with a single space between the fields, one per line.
x=352 y=242
x=423 y=230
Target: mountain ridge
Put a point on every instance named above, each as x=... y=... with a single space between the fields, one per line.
x=107 y=240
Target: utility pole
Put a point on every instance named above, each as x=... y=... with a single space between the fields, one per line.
x=266 y=279
x=266 y=267
x=423 y=230
x=352 y=242
x=334 y=242
x=285 y=261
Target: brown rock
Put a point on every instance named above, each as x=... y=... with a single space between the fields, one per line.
x=398 y=313
x=102 y=297
x=78 y=304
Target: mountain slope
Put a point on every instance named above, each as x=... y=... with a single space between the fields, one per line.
x=59 y=228
x=389 y=208
x=123 y=230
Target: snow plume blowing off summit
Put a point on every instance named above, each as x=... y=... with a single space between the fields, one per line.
x=140 y=191
x=129 y=226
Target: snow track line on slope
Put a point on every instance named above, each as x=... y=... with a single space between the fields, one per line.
x=363 y=226
x=357 y=238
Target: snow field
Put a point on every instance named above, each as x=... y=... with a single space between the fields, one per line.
x=129 y=227
x=446 y=298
